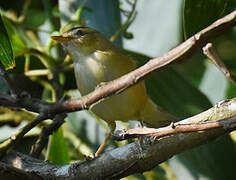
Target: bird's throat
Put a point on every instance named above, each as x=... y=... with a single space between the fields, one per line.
x=89 y=73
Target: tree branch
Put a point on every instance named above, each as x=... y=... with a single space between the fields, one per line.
x=7 y=145
x=136 y=157
x=212 y=54
x=44 y=135
x=178 y=127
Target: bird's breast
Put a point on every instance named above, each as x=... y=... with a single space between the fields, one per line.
x=89 y=73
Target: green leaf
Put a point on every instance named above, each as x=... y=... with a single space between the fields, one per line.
x=17 y=44
x=6 y=53
x=37 y=18
x=214 y=91
x=58 y=151
x=214 y=161
x=199 y=14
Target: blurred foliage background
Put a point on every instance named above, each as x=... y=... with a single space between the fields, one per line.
x=145 y=29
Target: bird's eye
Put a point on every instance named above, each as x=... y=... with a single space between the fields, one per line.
x=80 y=33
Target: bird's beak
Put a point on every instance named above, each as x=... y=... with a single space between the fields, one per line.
x=61 y=39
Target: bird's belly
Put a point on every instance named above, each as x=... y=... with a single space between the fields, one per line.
x=124 y=106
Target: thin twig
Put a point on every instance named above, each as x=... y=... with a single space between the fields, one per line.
x=130 y=18
x=14 y=17
x=212 y=54
x=38 y=72
x=24 y=11
x=7 y=145
x=46 y=132
x=174 y=128
x=57 y=93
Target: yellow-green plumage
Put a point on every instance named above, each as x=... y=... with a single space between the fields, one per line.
x=97 y=60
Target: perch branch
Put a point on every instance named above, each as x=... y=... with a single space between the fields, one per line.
x=135 y=157
x=173 y=128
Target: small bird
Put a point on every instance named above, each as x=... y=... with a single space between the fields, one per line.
x=97 y=60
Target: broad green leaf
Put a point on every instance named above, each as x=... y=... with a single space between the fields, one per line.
x=37 y=17
x=199 y=14
x=231 y=91
x=214 y=91
x=17 y=44
x=58 y=151
x=214 y=161
x=6 y=53
x=193 y=69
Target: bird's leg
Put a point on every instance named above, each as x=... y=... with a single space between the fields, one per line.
x=112 y=127
x=102 y=146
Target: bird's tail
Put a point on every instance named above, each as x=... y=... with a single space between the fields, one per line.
x=154 y=116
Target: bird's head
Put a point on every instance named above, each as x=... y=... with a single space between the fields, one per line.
x=83 y=40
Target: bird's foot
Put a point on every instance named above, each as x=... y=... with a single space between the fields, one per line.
x=102 y=146
x=89 y=157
